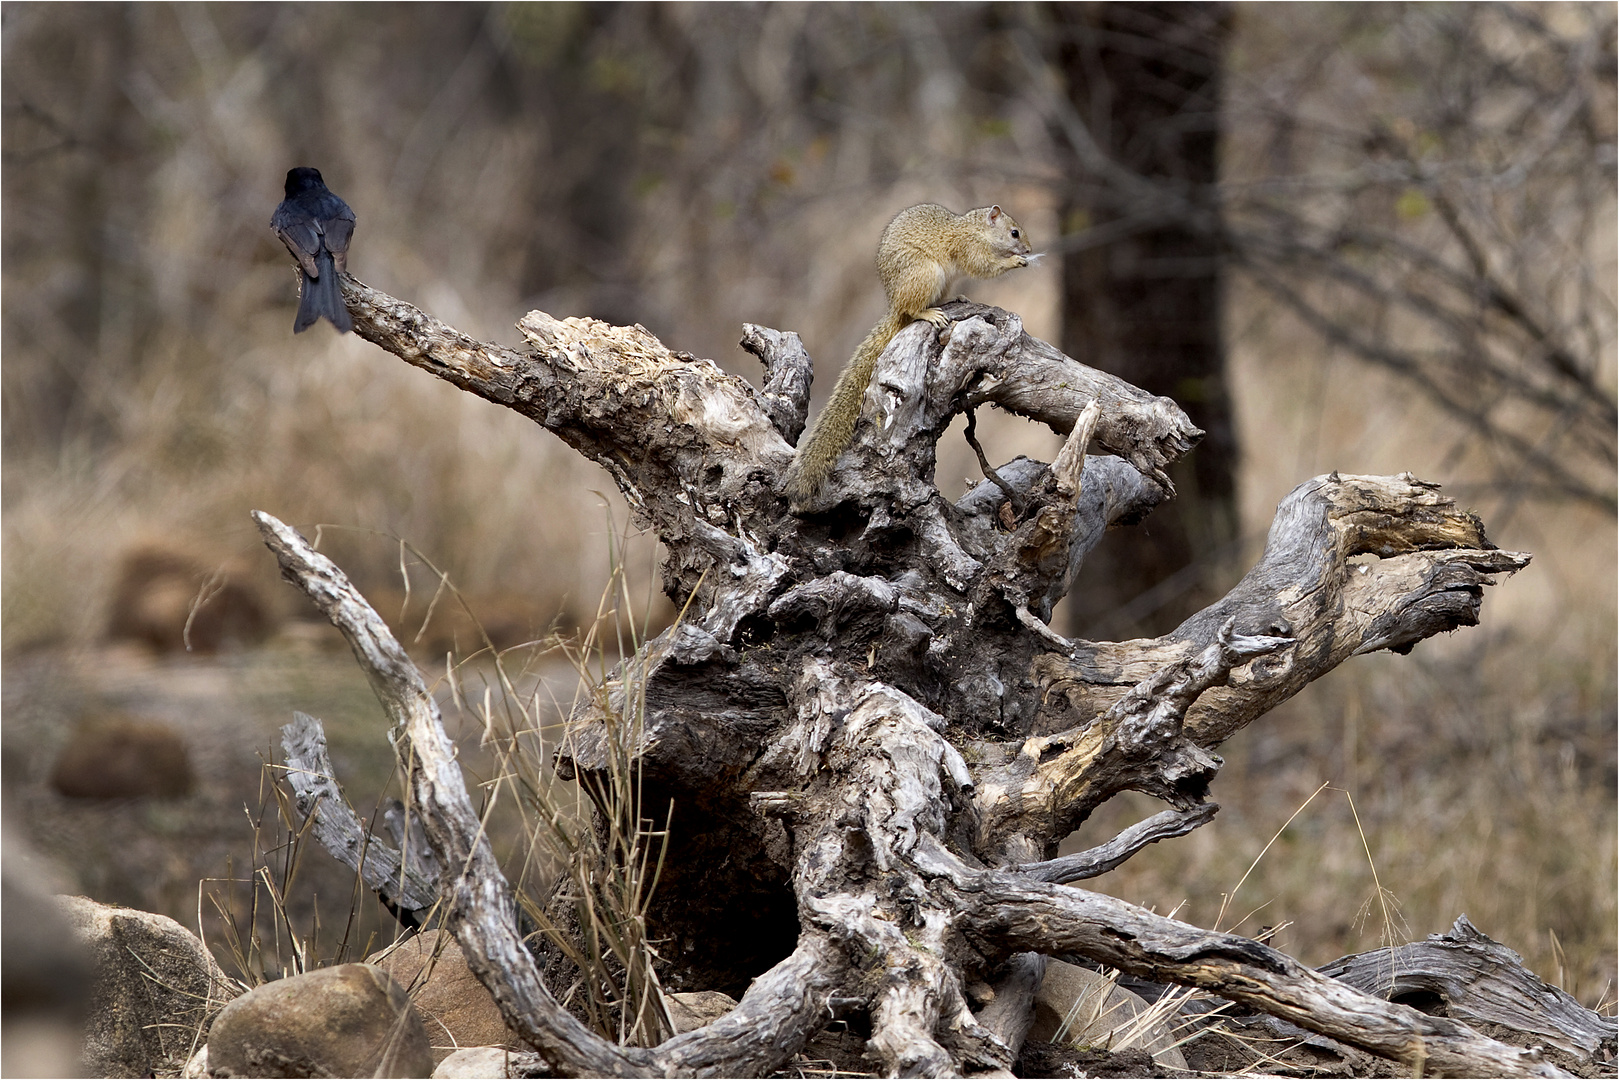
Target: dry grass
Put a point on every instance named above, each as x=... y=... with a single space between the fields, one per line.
x=584 y=857
x=268 y=922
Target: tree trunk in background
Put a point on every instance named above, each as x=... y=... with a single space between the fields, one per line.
x=1145 y=79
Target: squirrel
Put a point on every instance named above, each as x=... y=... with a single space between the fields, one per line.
x=921 y=252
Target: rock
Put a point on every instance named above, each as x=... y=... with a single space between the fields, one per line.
x=154 y=989
x=1098 y=1014
x=695 y=1009
x=349 y=1020
x=491 y=1061
x=197 y=1067
x=120 y=757
x=159 y=591
x=455 y=1008
x=473 y=1062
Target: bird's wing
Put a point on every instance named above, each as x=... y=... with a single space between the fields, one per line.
x=337 y=230
x=302 y=237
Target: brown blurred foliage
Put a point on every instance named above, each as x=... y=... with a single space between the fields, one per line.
x=1434 y=195
x=1424 y=190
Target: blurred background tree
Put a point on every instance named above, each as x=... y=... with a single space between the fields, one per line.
x=1138 y=132
x=1364 y=237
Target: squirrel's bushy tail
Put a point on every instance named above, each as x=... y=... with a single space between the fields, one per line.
x=833 y=430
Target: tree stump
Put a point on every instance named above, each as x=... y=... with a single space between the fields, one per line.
x=872 y=739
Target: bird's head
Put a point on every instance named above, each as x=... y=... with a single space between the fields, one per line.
x=303 y=179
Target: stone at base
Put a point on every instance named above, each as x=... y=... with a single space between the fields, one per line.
x=349 y=1020
x=454 y=1006
x=153 y=988
x=197 y=1067
x=698 y=1008
x=474 y=1062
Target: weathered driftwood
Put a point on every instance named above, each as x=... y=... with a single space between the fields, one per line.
x=1463 y=975
x=1479 y=982
x=872 y=739
x=405 y=883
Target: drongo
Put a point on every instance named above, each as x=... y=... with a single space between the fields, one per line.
x=316 y=226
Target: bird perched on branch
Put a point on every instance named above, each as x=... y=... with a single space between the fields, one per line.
x=316 y=226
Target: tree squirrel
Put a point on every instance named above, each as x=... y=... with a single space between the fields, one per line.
x=921 y=252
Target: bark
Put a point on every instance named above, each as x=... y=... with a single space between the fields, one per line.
x=1480 y=982
x=404 y=877
x=872 y=740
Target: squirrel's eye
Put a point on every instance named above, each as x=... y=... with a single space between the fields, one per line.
x=1014 y=234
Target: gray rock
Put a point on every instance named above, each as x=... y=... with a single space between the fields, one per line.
x=1078 y=1007
x=349 y=1020
x=454 y=1006
x=154 y=989
x=197 y=1067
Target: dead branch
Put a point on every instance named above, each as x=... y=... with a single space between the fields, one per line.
x=1024 y=915
x=768 y=1025
x=1104 y=857
x=391 y=872
x=1479 y=982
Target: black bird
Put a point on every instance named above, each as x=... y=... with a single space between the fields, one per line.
x=316 y=226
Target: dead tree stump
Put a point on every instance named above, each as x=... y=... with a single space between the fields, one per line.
x=872 y=739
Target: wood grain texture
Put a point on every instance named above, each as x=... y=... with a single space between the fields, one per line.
x=398 y=879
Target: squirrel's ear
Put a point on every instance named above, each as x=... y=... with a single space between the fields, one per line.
x=994 y=212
